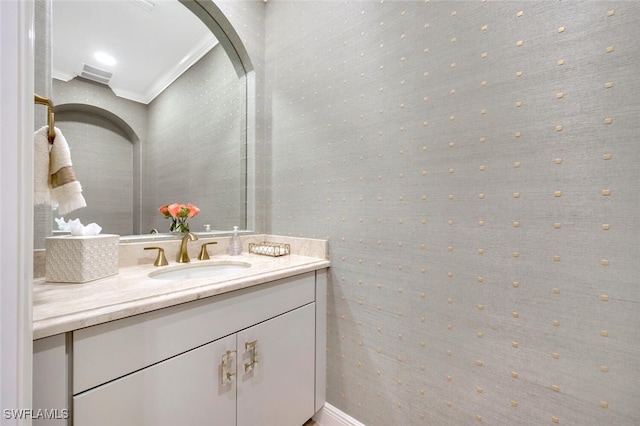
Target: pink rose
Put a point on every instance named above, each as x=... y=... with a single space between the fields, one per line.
x=174 y=210
x=193 y=210
x=165 y=211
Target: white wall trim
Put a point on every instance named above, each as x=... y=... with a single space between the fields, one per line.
x=16 y=220
x=331 y=416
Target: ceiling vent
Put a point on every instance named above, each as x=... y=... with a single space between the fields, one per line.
x=96 y=74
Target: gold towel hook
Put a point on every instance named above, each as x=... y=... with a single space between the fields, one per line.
x=50 y=115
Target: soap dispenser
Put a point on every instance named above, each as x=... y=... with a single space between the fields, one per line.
x=235 y=245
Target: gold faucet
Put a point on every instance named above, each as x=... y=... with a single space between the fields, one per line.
x=183 y=256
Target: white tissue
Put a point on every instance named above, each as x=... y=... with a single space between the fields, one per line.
x=62 y=225
x=78 y=229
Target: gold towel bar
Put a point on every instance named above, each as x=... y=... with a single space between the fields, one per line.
x=50 y=116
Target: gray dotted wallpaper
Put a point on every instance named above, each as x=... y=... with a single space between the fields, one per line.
x=474 y=165
x=197 y=149
x=475 y=168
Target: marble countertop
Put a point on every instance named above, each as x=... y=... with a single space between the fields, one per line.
x=63 y=307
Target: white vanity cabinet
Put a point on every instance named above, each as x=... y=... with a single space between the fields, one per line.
x=279 y=389
x=183 y=390
x=249 y=357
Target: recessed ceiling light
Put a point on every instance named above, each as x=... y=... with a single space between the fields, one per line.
x=105 y=58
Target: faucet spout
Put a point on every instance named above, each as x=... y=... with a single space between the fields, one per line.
x=183 y=256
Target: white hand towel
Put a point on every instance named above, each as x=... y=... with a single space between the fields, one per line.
x=66 y=191
x=42 y=192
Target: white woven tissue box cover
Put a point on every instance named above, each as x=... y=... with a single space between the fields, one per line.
x=80 y=259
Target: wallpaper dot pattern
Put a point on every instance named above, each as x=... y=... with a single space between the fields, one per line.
x=474 y=165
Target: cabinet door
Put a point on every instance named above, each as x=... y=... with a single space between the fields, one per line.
x=279 y=390
x=50 y=384
x=184 y=390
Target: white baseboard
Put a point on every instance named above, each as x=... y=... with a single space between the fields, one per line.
x=331 y=416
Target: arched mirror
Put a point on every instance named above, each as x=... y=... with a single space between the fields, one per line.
x=154 y=112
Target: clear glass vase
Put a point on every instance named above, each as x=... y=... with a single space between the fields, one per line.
x=179 y=226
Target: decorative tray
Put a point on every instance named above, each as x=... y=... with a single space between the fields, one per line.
x=270 y=249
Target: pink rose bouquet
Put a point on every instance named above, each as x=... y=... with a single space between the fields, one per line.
x=179 y=213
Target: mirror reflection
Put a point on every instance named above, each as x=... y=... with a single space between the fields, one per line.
x=154 y=113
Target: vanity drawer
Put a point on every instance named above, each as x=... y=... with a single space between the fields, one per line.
x=111 y=350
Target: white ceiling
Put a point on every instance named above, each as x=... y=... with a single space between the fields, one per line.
x=152 y=47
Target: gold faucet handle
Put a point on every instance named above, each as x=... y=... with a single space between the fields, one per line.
x=161 y=260
x=204 y=254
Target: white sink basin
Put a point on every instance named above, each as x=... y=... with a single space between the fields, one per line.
x=199 y=270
